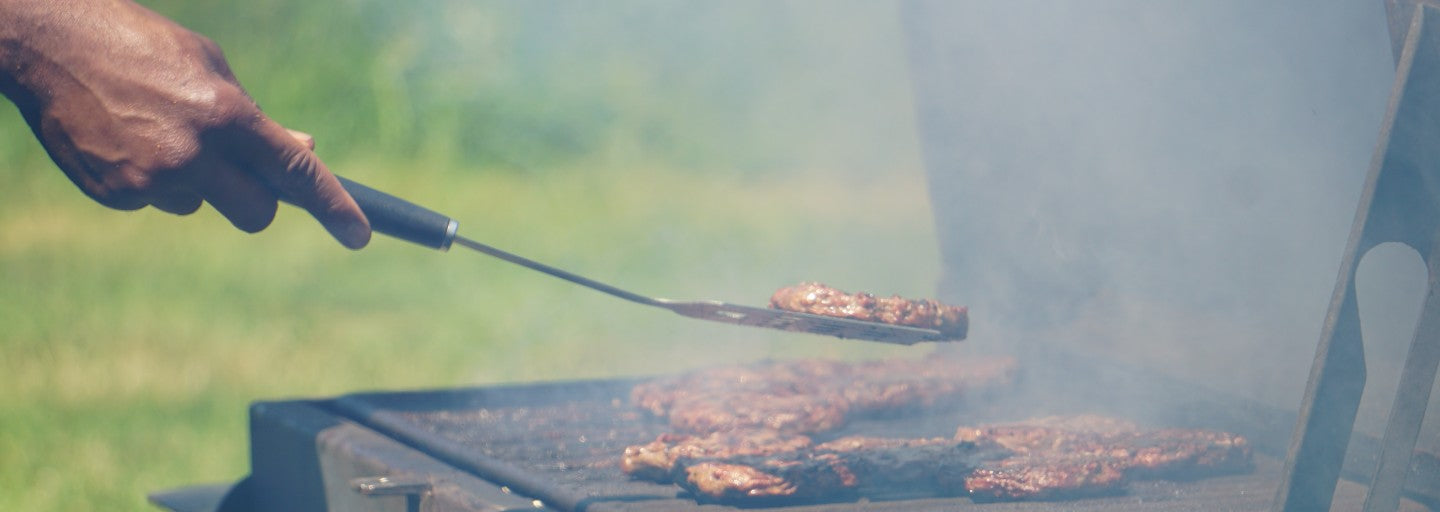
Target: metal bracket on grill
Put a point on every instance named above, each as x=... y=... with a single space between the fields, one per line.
x=1400 y=203
x=382 y=486
x=386 y=486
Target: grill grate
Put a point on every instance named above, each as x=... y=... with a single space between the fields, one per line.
x=561 y=442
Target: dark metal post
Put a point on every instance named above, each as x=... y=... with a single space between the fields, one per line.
x=1399 y=13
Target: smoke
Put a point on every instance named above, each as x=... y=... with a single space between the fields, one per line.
x=1167 y=184
x=1164 y=183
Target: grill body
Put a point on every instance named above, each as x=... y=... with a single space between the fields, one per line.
x=556 y=446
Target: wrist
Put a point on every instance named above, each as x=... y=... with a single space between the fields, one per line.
x=40 y=38
x=24 y=27
x=14 y=16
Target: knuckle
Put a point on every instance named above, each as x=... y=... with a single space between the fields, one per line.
x=300 y=171
x=223 y=105
x=211 y=103
x=171 y=159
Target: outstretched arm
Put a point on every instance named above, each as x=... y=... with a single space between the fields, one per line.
x=139 y=111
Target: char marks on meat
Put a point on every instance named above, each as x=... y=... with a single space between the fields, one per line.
x=814 y=396
x=746 y=438
x=1091 y=455
x=720 y=481
x=1043 y=459
x=818 y=299
x=1183 y=454
x=838 y=470
x=661 y=459
x=1051 y=477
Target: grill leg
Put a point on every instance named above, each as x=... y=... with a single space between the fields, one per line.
x=1327 y=415
x=1408 y=411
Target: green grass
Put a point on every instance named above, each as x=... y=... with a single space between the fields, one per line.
x=695 y=154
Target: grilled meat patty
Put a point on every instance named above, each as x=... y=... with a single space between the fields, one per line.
x=1089 y=455
x=800 y=377
x=818 y=299
x=782 y=413
x=745 y=437
x=813 y=396
x=839 y=470
x=721 y=481
x=1048 y=477
x=661 y=459
x=1043 y=459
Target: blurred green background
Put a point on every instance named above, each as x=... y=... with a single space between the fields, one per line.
x=694 y=150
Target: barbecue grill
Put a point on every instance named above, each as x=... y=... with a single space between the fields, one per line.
x=556 y=446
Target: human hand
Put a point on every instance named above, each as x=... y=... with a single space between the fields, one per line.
x=139 y=111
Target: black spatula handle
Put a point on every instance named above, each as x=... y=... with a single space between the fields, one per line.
x=402 y=219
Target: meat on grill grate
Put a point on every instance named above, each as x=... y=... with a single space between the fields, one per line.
x=662 y=459
x=1043 y=459
x=838 y=470
x=812 y=396
x=745 y=437
x=1093 y=455
x=1048 y=477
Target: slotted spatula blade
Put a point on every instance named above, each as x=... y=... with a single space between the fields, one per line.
x=408 y=221
x=801 y=322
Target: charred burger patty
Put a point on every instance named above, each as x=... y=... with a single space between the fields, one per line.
x=818 y=299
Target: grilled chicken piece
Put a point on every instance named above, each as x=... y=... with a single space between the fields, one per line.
x=818 y=299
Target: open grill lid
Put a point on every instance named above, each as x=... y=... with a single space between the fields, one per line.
x=1400 y=203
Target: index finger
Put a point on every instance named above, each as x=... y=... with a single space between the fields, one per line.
x=301 y=179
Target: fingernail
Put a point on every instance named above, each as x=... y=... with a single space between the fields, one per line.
x=355 y=235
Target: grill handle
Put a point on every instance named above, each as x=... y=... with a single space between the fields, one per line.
x=402 y=219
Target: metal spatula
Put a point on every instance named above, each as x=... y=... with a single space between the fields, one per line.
x=408 y=221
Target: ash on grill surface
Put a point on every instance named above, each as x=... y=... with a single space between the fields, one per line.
x=570 y=441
